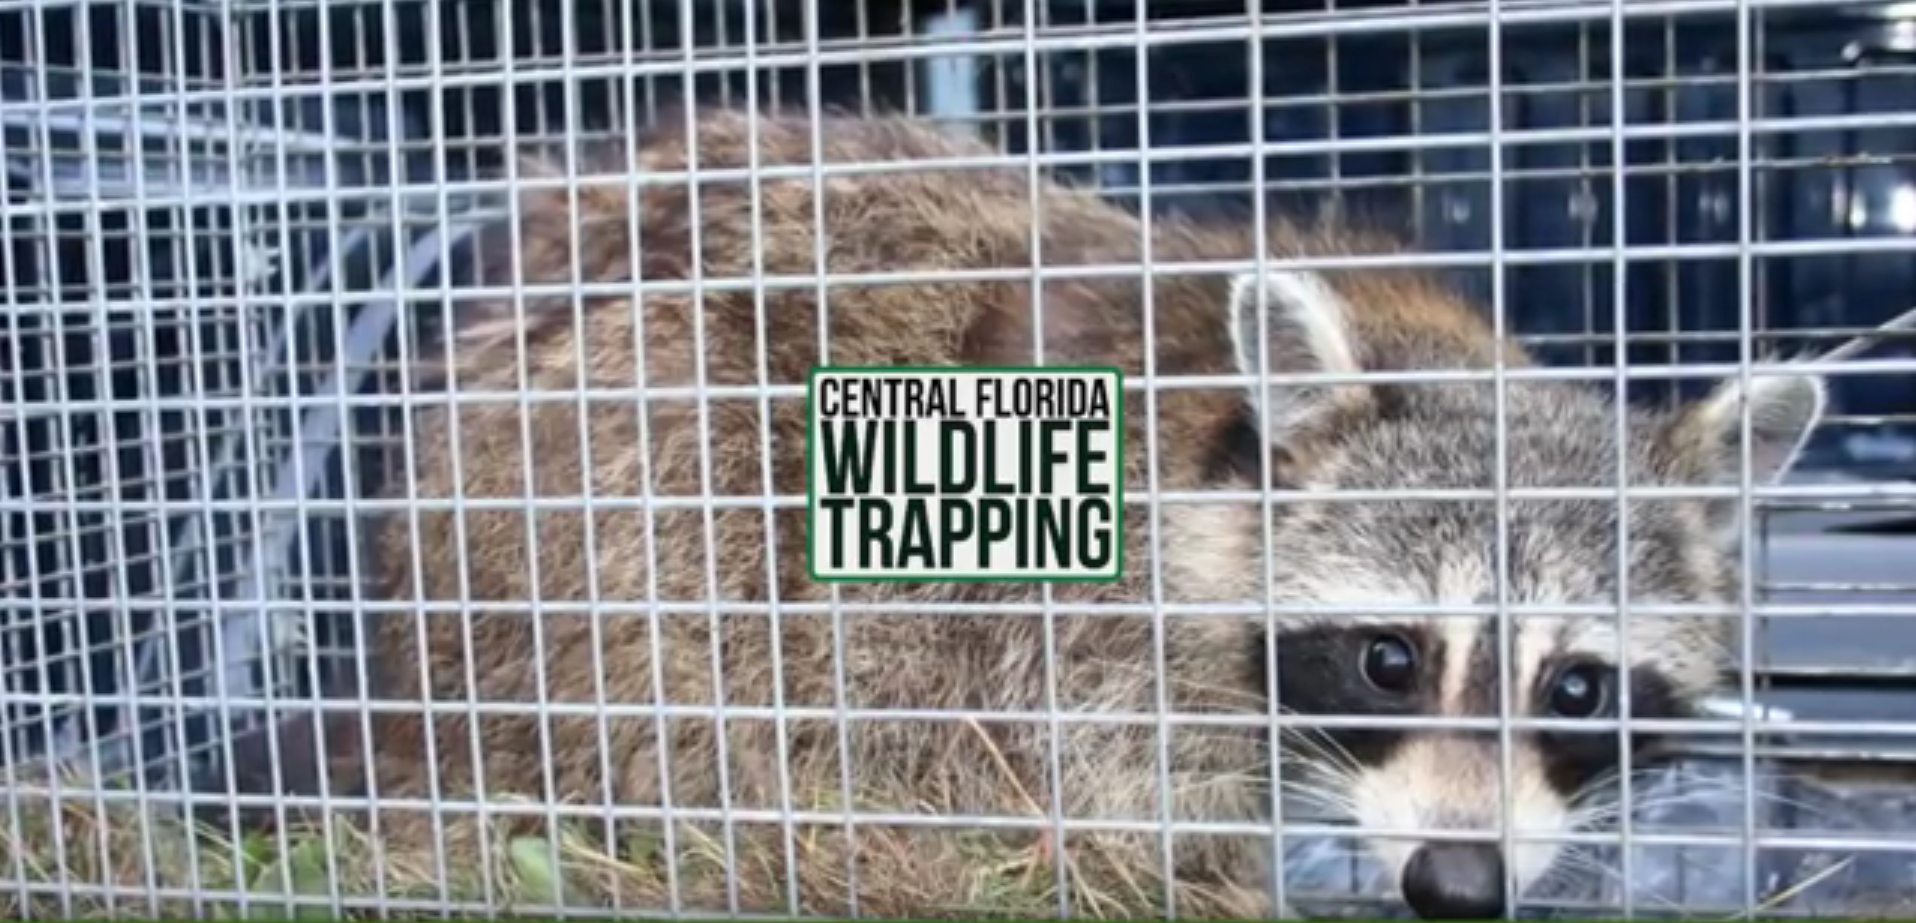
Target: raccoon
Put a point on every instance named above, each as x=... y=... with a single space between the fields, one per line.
x=980 y=686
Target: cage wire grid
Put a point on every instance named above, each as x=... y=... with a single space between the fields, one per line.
x=291 y=197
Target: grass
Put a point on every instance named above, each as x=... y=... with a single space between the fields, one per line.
x=75 y=857
x=84 y=859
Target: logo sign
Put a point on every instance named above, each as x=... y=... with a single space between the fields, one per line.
x=951 y=474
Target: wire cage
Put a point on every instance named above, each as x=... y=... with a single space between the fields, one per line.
x=233 y=228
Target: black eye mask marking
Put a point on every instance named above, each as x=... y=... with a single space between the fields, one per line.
x=1573 y=759
x=1321 y=672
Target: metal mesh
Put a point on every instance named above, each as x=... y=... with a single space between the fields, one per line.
x=235 y=231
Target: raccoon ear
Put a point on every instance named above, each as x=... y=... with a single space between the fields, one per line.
x=1706 y=438
x=1783 y=410
x=1306 y=329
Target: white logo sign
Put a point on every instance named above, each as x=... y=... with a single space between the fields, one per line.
x=933 y=475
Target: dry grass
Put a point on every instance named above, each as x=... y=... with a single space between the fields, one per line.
x=87 y=860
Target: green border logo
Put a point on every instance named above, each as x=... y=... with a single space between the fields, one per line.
x=981 y=475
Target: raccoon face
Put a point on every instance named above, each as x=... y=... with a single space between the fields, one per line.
x=1572 y=551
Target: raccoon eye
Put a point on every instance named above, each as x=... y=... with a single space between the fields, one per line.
x=1390 y=663
x=1579 y=690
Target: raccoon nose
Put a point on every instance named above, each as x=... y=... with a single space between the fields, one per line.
x=1455 y=881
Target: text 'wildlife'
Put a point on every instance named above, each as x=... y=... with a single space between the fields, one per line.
x=962 y=474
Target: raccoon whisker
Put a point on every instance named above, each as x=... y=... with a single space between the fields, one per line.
x=1595 y=817
x=1323 y=748
x=1329 y=848
x=1317 y=775
x=1606 y=787
x=1310 y=810
x=1599 y=807
x=1616 y=806
x=1738 y=792
x=1663 y=775
x=1579 y=860
x=1302 y=771
x=1334 y=797
x=1642 y=777
x=1320 y=760
x=1301 y=866
x=1308 y=778
x=1215 y=779
x=1211 y=736
x=1562 y=872
x=1322 y=854
x=1609 y=806
x=1328 y=747
x=1292 y=784
x=1305 y=768
x=1613 y=810
x=1321 y=774
x=1315 y=795
x=1603 y=781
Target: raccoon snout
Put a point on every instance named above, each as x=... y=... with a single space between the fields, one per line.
x=1455 y=881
